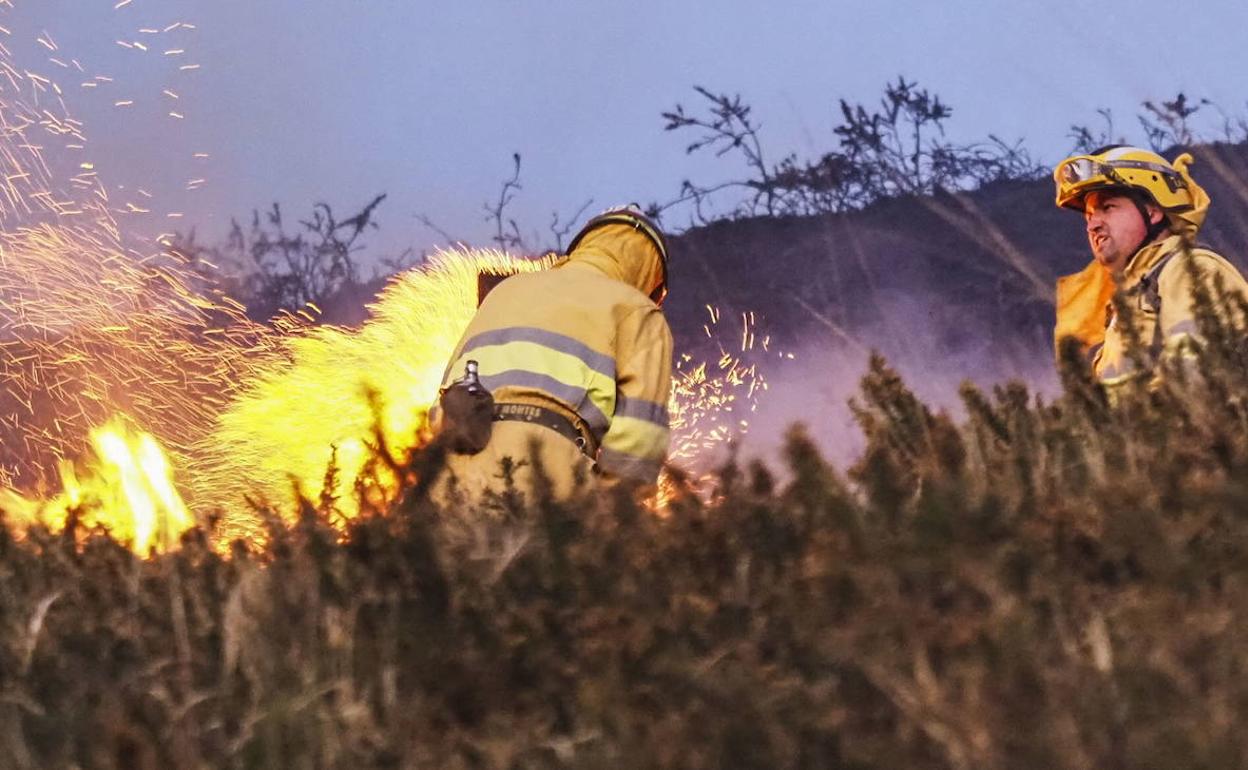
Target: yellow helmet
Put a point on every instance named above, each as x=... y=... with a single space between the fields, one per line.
x=1132 y=169
x=1126 y=168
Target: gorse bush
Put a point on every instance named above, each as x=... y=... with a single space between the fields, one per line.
x=1055 y=584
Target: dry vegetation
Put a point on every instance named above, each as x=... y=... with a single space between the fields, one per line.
x=1046 y=585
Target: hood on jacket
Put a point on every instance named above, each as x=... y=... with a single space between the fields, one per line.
x=1187 y=223
x=621 y=252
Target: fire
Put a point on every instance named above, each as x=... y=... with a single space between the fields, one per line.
x=334 y=389
x=96 y=323
x=255 y=414
x=125 y=487
x=247 y=410
x=332 y=392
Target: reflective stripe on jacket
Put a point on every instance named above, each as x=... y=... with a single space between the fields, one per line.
x=1158 y=284
x=584 y=338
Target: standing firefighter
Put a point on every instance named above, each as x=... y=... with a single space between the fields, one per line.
x=577 y=360
x=1142 y=216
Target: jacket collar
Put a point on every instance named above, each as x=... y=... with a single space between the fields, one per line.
x=1147 y=258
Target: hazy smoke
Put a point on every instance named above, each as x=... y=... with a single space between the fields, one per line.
x=931 y=353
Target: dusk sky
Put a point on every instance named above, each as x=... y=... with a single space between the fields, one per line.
x=302 y=101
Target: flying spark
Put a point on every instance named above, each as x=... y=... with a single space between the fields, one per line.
x=98 y=338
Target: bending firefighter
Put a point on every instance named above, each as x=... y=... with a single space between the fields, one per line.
x=568 y=369
x=1142 y=215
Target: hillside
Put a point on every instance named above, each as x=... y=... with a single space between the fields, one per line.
x=937 y=277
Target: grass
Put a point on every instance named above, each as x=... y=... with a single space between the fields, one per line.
x=1044 y=585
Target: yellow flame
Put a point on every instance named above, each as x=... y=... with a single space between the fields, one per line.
x=92 y=327
x=125 y=488
x=330 y=388
x=291 y=402
x=322 y=399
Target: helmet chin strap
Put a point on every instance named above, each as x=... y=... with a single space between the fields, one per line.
x=1154 y=228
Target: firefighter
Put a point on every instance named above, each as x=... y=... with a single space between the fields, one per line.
x=1142 y=215
x=577 y=363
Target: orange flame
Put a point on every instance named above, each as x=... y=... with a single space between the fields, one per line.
x=309 y=397
x=125 y=488
x=93 y=327
x=332 y=389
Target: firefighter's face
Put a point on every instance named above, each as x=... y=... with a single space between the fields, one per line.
x=1114 y=226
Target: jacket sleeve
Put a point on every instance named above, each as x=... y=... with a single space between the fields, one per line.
x=635 y=444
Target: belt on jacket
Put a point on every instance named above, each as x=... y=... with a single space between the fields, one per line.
x=547 y=418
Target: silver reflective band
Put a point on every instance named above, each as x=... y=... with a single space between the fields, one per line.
x=640 y=409
x=1144 y=165
x=598 y=362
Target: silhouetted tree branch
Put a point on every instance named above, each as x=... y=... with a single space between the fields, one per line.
x=271 y=269
x=1088 y=139
x=897 y=148
x=1168 y=124
x=561 y=229
x=506 y=231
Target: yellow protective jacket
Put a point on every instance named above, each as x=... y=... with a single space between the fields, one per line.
x=1158 y=284
x=583 y=338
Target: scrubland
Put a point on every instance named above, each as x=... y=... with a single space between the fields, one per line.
x=1055 y=583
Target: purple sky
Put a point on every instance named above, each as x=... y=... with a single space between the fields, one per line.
x=307 y=100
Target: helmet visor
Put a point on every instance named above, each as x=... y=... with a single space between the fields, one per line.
x=1077 y=175
x=1076 y=171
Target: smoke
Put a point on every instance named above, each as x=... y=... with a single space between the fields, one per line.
x=933 y=354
